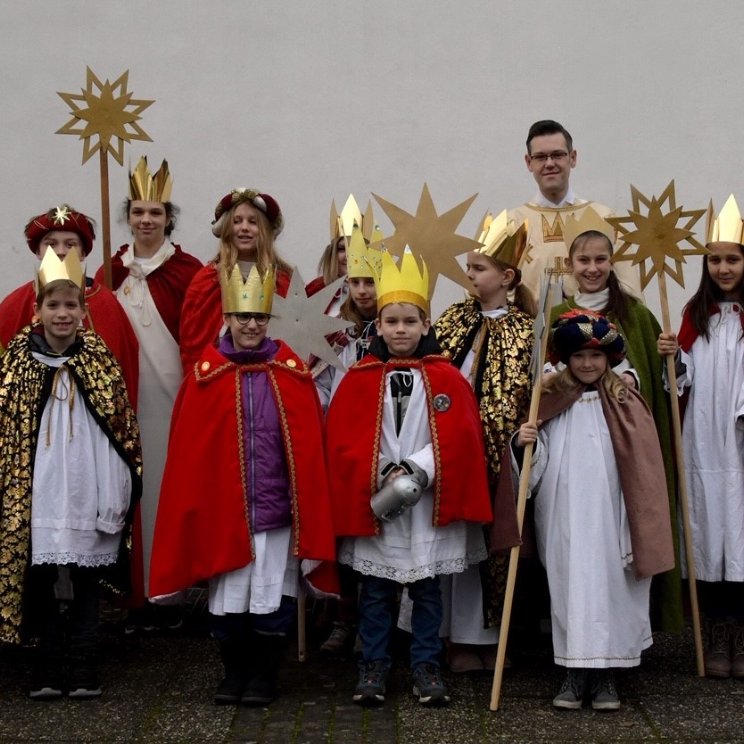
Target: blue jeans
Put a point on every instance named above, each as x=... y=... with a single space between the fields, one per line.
x=378 y=612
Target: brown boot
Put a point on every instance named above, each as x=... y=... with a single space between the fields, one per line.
x=718 y=653
x=737 y=650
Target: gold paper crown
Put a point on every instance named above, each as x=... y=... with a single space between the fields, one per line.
x=728 y=227
x=588 y=220
x=361 y=260
x=503 y=240
x=343 y=224
x=143 y=185
x=406 y=283
x=252 y=295
x=54 y=268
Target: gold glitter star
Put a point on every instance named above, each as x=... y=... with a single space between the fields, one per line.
x=430 y=235
x=658 y=235
x=112 y=114
x=61 y=214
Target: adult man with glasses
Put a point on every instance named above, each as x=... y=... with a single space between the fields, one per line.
x=550 y=158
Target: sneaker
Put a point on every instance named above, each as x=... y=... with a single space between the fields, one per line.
x=604 y=692
x=338 y=641
x=737 y=651
x=571 y=694
x=84 y=685
x=45 y=685
x=428 y=686
x=718 y=653
x=370 y=689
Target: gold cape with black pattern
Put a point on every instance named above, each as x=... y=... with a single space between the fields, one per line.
x=25 y=385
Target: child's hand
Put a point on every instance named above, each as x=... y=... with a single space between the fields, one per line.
x=392 y=475
x=628 y=380
x=667 y=344
x=527 y=433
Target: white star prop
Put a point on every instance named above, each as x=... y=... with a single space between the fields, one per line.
x=301 y=322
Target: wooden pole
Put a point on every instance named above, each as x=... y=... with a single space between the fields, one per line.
x=524 y=479
x=105 y=219
x=682 y=481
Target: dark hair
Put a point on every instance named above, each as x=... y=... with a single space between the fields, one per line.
x=171 y=213
x=617 y=303
x=707 y=296
x=548 y=126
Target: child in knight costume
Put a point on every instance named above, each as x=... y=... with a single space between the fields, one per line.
x=404 y=413
x=490 y=341
x=70 y=474
x=244 y=496
x=601 y=511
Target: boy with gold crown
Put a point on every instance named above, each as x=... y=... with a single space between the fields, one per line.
x=244 y=496
x=70 y=473
x=489 y=339
x=408 y=480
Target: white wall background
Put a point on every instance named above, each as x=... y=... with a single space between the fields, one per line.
x=311 y=100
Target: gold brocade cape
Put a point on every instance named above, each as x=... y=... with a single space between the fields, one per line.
x=25 y=386
x=501 y=383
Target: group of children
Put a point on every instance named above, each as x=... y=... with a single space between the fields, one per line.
x=406 y=482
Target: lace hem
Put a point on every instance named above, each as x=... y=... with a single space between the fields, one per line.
x=406 y=575
x=86 y=561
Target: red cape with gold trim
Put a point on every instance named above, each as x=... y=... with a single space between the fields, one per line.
x=354 y=426
x=202 y=528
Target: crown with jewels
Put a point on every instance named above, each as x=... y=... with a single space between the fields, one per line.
x=587 y=220
x=361 y=260
x=727 y=227
x=404 y=283
x=503 y=239
x=145 y=186
x=254 y=294
x=54 y=268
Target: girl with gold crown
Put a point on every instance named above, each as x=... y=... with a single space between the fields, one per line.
x=70 y=474
x=247 y=222
x=244 y=495
x=408 y=480
x=591 y=241
x=490 y=340
x=710 y=359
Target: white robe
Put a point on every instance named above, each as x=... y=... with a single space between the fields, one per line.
x=410 y=548
x=713 y=438
x=160 y=375
x=81 y=487
x=599 y=610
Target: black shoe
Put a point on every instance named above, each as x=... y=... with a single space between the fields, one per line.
x=571 y=694
x=233 y=652
x=604 y=692
x=230 y=689
x=429 y=687
x=370 y=689
x=260 y=689
x=45 y=687
x=84 y=685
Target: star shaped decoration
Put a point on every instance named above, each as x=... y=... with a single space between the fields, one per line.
x=302 y=323
x=61 y=214
x=113 y=114
x=431 y=236
x=658 y=235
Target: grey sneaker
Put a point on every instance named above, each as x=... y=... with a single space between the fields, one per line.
x=370 y=690
x=604 y=692
x=339 y=641
x=571 y=694
x=428 y=686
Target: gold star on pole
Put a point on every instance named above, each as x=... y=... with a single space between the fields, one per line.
x=658 y=235
x=112 y=114
x=430 y=235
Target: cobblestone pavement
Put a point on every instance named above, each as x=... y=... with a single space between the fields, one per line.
x=159 y=689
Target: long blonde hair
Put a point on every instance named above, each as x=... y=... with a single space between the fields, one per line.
x=565 y=382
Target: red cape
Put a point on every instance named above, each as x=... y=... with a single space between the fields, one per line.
x=201 y=313
x=105 y=316
x=687 y=333
x=202 y=528
x=167 y=284
x=353 y=432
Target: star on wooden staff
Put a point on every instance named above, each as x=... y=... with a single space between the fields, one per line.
x=431 y=236
x=109 y=112
x=657 y=235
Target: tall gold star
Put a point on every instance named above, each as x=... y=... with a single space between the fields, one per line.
x=657 y=235
x=112 y=114
x=430 y=235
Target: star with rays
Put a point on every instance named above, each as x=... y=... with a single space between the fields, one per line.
x=430 y=235
x=301 y=322
x=658 y=235
x=113 y=114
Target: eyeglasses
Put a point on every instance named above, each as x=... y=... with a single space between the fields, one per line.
x=261 y=319
x=556 y=156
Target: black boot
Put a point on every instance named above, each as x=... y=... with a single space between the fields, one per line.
x=233 y=655
x=262 y=682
